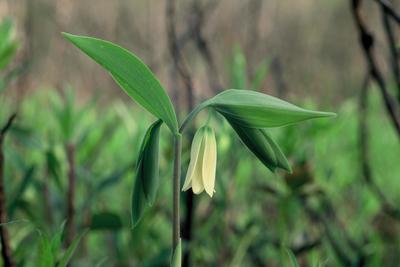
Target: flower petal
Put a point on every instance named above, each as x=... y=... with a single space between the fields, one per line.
x=209 y=161
x=197 y=179
x=194 y=156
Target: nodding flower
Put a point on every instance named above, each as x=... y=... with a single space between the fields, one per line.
x=203 y=162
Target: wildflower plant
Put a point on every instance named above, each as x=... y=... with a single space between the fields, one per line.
x=249 y=113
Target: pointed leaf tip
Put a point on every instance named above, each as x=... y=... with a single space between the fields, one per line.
x=257 y=110
x=131 y=74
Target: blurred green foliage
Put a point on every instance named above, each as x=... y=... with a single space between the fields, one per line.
x=252 y=214
x=323 y=213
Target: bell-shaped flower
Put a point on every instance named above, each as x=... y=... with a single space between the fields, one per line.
x=203 y=162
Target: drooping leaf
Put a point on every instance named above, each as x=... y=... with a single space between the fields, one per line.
x=177 y=255
x=133 y=76
x=45 y=257
x=257 y=110
x=261 y=144
x=147 y=174
x=70 y=250
x=256 y=142
x=281 y=160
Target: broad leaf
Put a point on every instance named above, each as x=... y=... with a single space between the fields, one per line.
x=149 y=153
x=133 y=76
x=261 y=145
x=139 y=202
x=256 y=110
x=281 y=159
x=147 y=175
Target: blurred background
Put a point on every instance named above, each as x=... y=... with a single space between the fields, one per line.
x=71 y=151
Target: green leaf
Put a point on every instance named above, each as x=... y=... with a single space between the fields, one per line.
x=177 y=255
x=256 y=110
x=45 y=256
x=70 y=251
x=261 y=145
x=139 y=202
x=133 y=76
x=56 y=240
x=281 y=159
x=292 y=258
x=147 y=174
x=149 y=152
x=106 y=221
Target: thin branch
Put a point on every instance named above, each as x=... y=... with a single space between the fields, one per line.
x=367 y=43
x=175 y=51
x=394 y=55
x=199 y=17
x=7 y=126
x=387 y=6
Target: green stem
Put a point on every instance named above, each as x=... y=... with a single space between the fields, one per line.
x=176 y=191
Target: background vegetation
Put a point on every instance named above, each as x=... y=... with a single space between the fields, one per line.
x=340 y=207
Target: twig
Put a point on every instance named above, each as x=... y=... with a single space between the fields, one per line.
x=199 y=19
x=367 y=43
x=7 y=126
x=174 y=48
x=394 y=55
x=5 y=238
x=387 y=6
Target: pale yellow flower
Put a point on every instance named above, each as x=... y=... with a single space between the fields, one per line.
x=203 y=162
